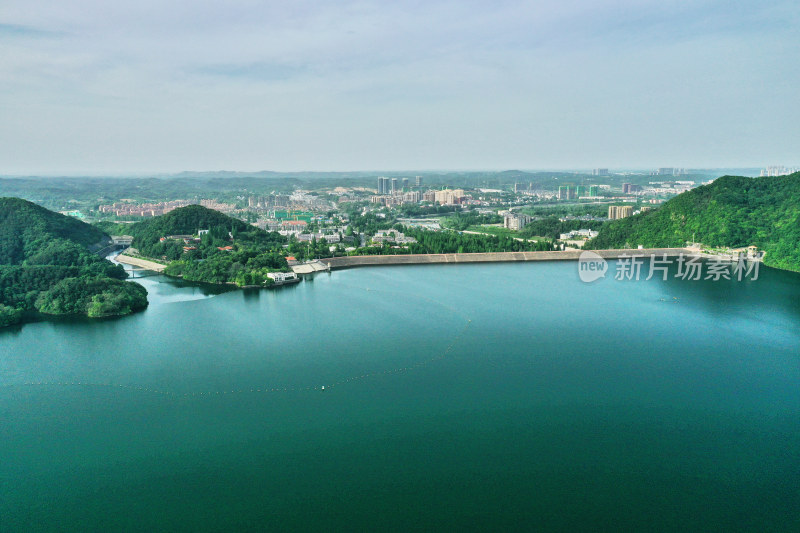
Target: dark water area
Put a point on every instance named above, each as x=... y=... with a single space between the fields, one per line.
x=455 y=397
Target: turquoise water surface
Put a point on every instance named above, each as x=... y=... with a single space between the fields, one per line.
x=458 y=397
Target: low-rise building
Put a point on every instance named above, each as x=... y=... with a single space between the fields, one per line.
x=392 y=236
x=294 y=225
x=578 y=233
x=282 y=277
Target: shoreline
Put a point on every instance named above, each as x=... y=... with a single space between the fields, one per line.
x=142 y=263
x=354 y=261
x=159 y=269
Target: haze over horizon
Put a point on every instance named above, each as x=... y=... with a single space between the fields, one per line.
x=155 y=86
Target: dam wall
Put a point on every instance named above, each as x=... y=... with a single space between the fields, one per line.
x=493 y=257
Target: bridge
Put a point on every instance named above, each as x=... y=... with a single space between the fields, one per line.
x=136 y=264
x=138 y=272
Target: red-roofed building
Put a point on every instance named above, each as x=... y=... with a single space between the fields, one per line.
x=294 y=225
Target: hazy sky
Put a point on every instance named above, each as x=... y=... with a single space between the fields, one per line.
x=167 y=85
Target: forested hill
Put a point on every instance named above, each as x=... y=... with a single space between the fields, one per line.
x=46 y=266
x=186 y=220
x=24 y=226
x=183 y=221
x=229 y=251
x=732 y=211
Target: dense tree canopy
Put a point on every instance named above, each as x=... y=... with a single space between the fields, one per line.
x=462 y=221
x=26 y=227
x=184 y=221
x=451 y=242
x=92 y=296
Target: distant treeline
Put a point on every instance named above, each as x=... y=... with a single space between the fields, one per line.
x=84 y=192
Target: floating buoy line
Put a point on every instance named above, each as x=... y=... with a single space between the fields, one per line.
x=271 y=390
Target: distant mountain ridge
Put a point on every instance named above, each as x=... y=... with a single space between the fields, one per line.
x=732 y=211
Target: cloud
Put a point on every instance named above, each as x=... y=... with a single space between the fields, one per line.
x=17 y=30
x=528 y=83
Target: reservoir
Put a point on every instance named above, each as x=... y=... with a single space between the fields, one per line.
x=505 y=396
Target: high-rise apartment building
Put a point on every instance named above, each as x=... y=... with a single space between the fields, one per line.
x=616 y=212
x=412 y=197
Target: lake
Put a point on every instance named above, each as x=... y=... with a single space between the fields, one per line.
x=507 y=396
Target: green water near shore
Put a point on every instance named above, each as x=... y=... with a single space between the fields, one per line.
x=476 y=397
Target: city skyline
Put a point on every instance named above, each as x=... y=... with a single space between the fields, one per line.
x=90 y=88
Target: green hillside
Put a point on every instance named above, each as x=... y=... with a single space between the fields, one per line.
x=231 y=251
x=732 y=211
x=186 y=220
x=47 y=266
x=23 y=224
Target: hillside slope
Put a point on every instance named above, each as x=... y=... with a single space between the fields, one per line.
x=46 y=265
x=24 y=225
x=732 y=211
x=183 y=221
x=186 y=220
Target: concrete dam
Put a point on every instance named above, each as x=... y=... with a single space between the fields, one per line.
x=426 y=259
